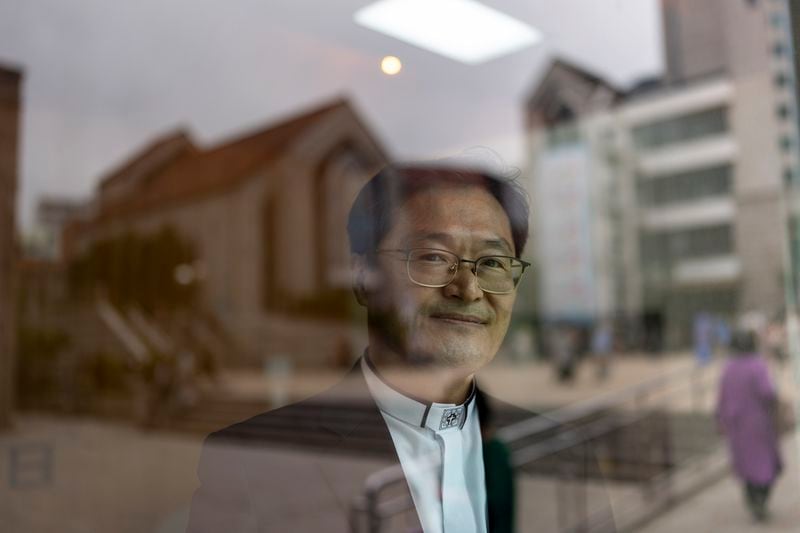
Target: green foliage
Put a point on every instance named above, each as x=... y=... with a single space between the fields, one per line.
x=133 y=269
x=105 y=373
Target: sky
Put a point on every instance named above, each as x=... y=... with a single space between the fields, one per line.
x=102 y=78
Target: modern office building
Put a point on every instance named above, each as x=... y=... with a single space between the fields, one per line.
x=666 y=200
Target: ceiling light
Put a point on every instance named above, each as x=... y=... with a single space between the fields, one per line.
x=464 y=30
x=391 y=65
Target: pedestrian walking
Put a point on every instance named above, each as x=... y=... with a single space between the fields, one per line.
x=602 y=347
x=746 y=410
x=703 y=338
x=563 y=348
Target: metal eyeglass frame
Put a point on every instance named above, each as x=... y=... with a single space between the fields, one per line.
x=454 y=273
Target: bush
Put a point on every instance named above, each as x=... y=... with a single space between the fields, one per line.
x=105 y=373
x=37 y=351
x=134 y=269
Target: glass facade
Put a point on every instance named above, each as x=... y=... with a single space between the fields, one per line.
x=191 y=250
x=563 y=135
x=684 y=306
x=782 y=79
x=691 y=185
x=667 y=247
x=681 y=128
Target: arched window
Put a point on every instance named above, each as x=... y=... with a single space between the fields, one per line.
x=337 y=179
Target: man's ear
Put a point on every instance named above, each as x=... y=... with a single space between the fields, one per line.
x=359 y=267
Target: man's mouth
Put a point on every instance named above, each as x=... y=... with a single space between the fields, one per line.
x=458 y=318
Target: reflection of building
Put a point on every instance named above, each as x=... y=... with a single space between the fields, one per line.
x=52 y=216
x=265 y=213
x=9 y=128
x=572 y=215
x=683 y=177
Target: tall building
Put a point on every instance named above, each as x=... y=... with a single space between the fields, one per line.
x=694 y=38
x=684 y=176
x=9 y=131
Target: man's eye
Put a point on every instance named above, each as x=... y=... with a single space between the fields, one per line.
x=492 y=262
x=433 y=258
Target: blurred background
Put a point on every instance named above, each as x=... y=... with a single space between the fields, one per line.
x=175 y=180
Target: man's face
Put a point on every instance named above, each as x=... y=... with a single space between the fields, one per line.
x=456 y=326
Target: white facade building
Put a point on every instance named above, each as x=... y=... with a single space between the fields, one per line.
x=677 y=189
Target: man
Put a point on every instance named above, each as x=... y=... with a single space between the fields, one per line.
x=438 y=280
x=436 y=264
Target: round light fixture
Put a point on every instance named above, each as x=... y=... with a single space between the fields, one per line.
x=391 y=65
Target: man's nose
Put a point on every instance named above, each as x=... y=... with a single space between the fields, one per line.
x=465 y=284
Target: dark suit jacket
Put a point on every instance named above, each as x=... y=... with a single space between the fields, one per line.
x=298 y=468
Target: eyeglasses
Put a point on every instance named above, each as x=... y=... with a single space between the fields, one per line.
x=431 y=267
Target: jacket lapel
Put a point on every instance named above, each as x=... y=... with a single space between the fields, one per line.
x=353 y=388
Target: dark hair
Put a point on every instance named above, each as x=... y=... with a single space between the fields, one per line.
x=743 y=342
x=370 y=216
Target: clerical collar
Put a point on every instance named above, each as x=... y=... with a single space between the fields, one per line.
x=414 y=411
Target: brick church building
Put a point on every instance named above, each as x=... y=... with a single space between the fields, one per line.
x=265 y=214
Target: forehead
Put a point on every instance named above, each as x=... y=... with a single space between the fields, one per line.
x=460 y=211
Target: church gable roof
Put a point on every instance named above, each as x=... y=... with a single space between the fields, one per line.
x=194 y=172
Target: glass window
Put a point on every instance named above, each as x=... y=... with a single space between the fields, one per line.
x=681 y=128
x=683 y=306
x=789 y=177
x=781 y=79
x=685 y=186
x=666 y=247
x=565 y=134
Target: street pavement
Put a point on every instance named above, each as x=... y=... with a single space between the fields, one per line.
x=720 y=507
x=528 y=384
x=80 y=475
x=73 y=475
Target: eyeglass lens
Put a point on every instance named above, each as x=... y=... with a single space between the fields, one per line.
x=438 y=268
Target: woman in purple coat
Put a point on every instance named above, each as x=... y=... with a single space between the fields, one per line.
x=745 y=412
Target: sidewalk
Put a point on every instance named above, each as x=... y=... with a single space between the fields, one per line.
x=531 y=384
x=528 y=384
x=720 y=507
x=107 y=476
x=534 y=384
x=74 y=475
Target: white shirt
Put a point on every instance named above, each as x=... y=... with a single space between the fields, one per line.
x=440 y=450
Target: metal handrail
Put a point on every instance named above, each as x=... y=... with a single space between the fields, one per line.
x=574 y=412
